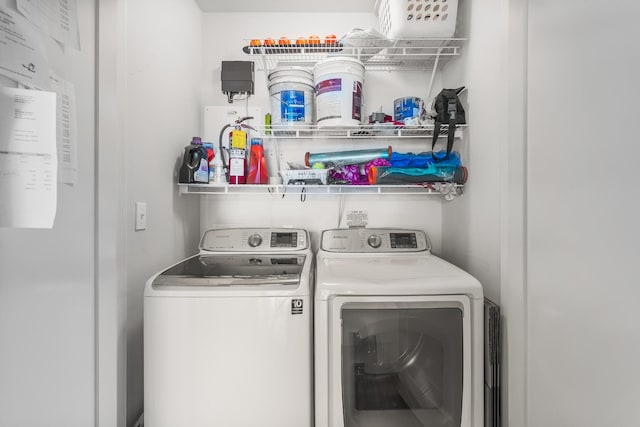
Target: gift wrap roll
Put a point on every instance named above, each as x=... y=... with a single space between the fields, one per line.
x=379 y=175
x=347 y=157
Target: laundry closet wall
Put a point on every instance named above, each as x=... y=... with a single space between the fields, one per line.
x=479 y=229
x=162 y=114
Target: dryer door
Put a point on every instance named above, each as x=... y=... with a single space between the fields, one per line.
x=401 y=361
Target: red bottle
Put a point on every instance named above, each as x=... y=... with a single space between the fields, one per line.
x=257 y=163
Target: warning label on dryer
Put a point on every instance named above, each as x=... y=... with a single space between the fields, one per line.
x=296 y=306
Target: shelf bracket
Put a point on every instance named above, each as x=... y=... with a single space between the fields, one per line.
x=433 y=73
x=264 y=64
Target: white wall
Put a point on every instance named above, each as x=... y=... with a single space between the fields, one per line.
x=47 y=356
x=322 y=212
x=483 y=230
x=471 y=224
x=583 y=234
x=164 y=78
x=380 y=89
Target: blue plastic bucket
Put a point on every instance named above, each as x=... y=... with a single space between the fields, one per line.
x=292 y=96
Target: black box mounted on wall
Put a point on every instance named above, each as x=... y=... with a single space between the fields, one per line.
x=237 y=77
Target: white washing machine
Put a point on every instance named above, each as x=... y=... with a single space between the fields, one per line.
x=228 y=333
x=398 y=334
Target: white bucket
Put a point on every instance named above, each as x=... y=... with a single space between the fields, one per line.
x=338 y=82
x=291 y=93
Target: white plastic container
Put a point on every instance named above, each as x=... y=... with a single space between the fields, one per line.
x=338 y=83
x=291 y=176
x=292 y=96
x=417 y=18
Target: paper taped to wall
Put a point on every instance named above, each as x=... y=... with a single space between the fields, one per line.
x=22 y=52
x=66 y=129
x=59 y=18
x=28 y=158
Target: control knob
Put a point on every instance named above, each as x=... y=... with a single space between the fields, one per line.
x=374 y=241
x=254 y=240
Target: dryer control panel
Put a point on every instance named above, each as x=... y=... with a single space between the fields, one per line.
x=372 y=240
x=255 y=240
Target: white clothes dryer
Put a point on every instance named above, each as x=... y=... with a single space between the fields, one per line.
x=398 y=333
x=228 y=333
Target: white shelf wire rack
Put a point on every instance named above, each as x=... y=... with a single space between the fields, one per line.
x=448 y=190
x=368 y=131
x=377 y=54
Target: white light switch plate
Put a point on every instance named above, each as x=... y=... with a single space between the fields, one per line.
x=141 y=216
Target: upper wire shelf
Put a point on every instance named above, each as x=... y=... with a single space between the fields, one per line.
x=377 y=54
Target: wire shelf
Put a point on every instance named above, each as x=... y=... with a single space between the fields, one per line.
x=377 y=54
x=448 y=190
x=369 y=131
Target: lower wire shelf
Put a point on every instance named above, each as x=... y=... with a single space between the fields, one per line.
x=447 y=190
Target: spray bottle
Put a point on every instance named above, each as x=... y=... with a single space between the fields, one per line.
x=217 y=170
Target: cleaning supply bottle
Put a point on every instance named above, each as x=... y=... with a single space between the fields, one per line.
x=195 y=163
x=219 y=176
x=257 y=163
x=210 y=154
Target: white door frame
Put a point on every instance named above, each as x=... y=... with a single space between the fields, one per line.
x=513 y=190
x=110 y=280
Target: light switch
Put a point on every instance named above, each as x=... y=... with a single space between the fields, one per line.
x=141 y=216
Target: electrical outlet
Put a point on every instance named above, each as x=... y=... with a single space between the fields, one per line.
x=141 y=216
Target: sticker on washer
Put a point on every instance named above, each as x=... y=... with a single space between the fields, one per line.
x=296 y=306
x=357 y=219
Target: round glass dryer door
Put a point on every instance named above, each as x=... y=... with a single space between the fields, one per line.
x=402 y=366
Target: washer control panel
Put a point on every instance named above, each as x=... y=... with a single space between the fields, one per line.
x=255 y=240
x=371 y=240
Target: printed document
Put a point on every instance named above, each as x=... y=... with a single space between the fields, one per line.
x=22 y=52
x=67 y=131
x=58 y=18
x=28 y=159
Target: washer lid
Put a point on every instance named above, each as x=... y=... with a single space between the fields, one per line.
x=391 y=274
x=234 y=271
